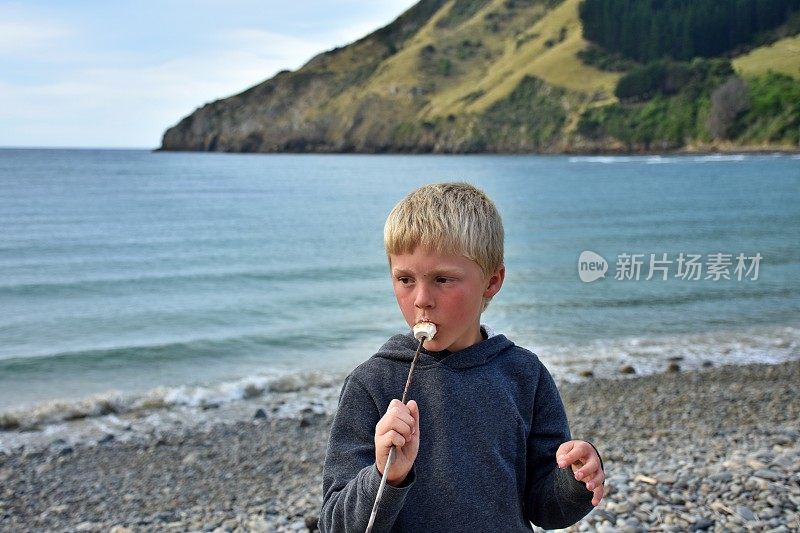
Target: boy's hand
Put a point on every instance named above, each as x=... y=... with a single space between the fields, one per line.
x=398 y=427
x=585 y=465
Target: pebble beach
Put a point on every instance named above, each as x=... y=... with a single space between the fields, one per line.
x=709 y=450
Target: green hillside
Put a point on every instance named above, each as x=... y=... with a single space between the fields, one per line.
x=782 y=56
x=491 y=76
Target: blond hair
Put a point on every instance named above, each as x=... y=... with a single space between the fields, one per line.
x=455 y=218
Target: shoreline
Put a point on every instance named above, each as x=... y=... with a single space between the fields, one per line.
x=739 y=471
x=704 y=149
x=619 y=358
x=685 y=150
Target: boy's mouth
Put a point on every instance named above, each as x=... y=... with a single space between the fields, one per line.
x=425 y=321
x=424 y=329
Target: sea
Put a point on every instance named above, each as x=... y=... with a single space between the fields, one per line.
x=149 y=286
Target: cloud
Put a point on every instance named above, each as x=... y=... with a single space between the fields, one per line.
x=22 y=37
x=63 y=82
x=132 y=105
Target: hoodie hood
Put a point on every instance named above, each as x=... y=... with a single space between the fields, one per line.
x=403 y=347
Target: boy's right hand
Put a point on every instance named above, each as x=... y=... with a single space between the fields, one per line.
x=398 y=427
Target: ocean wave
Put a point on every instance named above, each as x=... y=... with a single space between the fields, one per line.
x=659 y=160
x=293 y=335
x=663 y=159
x=654 y=354
x=197 y=396
x=113 y=282
x=664 y=301
x=604 y=159
x=295 y=394
x=713 y=158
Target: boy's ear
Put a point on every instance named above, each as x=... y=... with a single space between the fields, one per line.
x=495 y=282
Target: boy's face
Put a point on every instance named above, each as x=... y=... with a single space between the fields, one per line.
x=445 y=289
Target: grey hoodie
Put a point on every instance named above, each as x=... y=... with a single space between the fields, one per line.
x=491 y=420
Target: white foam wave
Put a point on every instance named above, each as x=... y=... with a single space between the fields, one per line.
x=196 y=396
x=648 y=355
x=663 y=159
x=290 y=394
x=659 y=160
x=712 y=158
x=605 y=159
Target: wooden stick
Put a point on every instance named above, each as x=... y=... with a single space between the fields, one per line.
x=393 y=451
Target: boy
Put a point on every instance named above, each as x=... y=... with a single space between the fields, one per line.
x=484 y=444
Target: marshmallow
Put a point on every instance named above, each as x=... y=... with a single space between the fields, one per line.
x=424 y=330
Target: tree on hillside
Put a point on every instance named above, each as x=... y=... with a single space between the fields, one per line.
x=645 y=30
x=728 y=101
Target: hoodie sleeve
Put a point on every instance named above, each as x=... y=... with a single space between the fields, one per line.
x=554 y=499
x=350 y=478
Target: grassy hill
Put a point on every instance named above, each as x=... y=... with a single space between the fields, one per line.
x=452 y=76
x=781 y=56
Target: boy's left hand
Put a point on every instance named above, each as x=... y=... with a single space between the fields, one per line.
x=585 y=465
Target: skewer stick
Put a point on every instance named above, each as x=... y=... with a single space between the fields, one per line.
x=422 y=336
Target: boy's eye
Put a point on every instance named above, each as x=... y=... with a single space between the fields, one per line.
x=404 y=280
x=442 y=280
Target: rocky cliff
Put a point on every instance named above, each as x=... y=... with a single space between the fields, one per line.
x=451 y=76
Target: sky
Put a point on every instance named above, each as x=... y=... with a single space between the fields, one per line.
x=117 y=74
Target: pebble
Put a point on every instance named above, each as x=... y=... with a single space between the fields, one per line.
x=257 y=524
x=702 y=524
x=605 y=514
x=746 y=513
x=191 y=458
x=722 y=477
x=765 y=474
x=311 y=522
x=779 y=529
x=665 y=478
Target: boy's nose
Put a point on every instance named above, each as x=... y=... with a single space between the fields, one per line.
x=423 y=298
